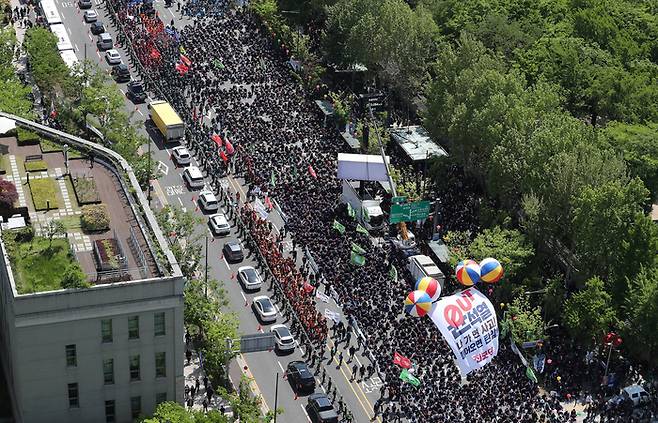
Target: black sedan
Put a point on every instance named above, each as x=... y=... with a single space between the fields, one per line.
x=300 y=377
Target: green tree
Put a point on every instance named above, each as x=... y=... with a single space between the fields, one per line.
x=185 y=243
x=640 y=330
x=589 y=313
x=216 y=352
x=509 y=246
x=73 y=277
x=639 y=146
x=53 y=229
x=613 y=237
x=49 y=70
x=525 y=322
x=201 y=308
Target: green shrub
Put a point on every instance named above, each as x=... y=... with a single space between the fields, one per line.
x=27 y=137
x=44 y=190
x=95 y=217
x=85 y=190
x=73 y=277
x=25 y=234
x=48 y=146
x=36 y=166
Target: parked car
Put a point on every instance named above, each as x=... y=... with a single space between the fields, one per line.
x=219 y=225
x=208 y=201
x=135 y=92
x=320 y=409
x=283 y=338
x=104 y=41
x=120 y=72
x=249 y=278
x=97 y=28
x=84 y=4
x=194 y=177
x=181 y=155
x=233 y=251
x=91 y=16
x=300 y=377
x=113 y=57
x=264 y=309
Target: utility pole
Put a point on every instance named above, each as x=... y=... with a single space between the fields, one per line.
x=148 y=196
x=276 y=394
x=206 y=277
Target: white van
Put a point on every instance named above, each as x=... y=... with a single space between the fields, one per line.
x=194 y=177
x=421 y=266
x=637 y=394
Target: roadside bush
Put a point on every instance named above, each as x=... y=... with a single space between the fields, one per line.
x=27 y=137
x=95 y=218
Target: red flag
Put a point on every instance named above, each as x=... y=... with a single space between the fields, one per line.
x=182 y=69
x=401 y=361
x=307 y=287
x=312 y=172
x=217 y=139
x=268 y=203
x=185 y=60
x=229 y=147
x=223 y=156
x=154 y=53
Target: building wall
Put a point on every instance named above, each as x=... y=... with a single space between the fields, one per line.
x=44 y=323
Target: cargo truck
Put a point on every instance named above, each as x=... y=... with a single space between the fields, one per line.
x=164 y=116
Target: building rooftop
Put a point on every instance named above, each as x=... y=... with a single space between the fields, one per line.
x=81 y=216
x=416 y=142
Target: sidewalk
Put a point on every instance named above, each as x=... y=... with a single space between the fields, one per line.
x=193 y=371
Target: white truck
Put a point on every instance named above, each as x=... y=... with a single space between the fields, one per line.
x=368 y=210
x=420 y=266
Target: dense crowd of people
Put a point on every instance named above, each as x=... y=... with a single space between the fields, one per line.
x=236 y=84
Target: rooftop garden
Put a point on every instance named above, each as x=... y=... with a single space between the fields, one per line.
x=42 y=263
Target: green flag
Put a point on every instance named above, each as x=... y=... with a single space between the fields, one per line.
x=351 y=211
x=357 y=259
x=218 y=64
x=357 y=249
x=409 y=378
x=366 y=215
x=393 y=273
x=338 y=226
x=273 y=178
x=361 y=229
x=530 y=374
x=294 y=171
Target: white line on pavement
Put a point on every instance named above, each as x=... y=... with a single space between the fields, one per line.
x=226 y=263
x=357 y=360
x=69 y=31
x=305 y=413
x=243 y=297
x=280 y=366
x=140 y=112
x=90 y=37
x=180 y=201
x=76 y=47
x=99 y=55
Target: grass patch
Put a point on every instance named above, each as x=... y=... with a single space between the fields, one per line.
x=44 y=190
x=27 y=137
x=85 y=190
x=37 y=266
x=36 y=166
x=3 y=164
x=48 y=146
x=71 y=223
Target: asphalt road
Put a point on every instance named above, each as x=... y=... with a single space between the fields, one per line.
x=170 y=189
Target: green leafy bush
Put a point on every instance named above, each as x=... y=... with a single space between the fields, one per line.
x=73 y=277
x=95 y=217
x=27 y=137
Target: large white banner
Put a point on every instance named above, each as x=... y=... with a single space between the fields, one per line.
x=467 y=321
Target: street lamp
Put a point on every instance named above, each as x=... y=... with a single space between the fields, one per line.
x=66 y=158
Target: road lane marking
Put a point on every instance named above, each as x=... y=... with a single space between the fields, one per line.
x=305 y=413
x=243 y=297
x=140 y=112
x=180 y=201
x=228 y=267
x=280 y=366
x=99 y=55
x=69 y=31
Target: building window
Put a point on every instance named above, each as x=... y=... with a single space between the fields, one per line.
x=160 y=365
x=159 y=322
x=135 y=406
x=71 y=356
x=133 y=327
x=73 y=396
x=108 y=371
x=109 y=411
x=134 y=367
x=106 y=330
x=160 y=397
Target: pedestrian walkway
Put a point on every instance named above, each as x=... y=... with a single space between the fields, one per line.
x=193 y=372
x=16 y=179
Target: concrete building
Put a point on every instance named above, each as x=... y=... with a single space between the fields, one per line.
x=107 y=353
